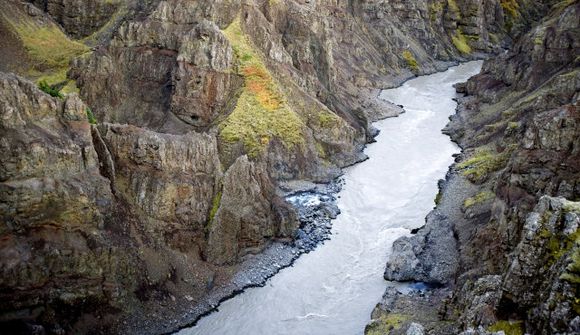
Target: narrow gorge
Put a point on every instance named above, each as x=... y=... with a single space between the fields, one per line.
x=162 y=156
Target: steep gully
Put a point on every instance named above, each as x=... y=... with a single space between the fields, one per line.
x=333 y=289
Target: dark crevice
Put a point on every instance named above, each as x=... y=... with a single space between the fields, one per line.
x=106 y=163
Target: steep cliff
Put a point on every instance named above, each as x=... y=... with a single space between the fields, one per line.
x=143 y=198
x=515 y=246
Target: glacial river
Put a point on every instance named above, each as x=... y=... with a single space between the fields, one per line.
x=334 y=289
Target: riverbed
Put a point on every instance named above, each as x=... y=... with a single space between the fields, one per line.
x=334 y=289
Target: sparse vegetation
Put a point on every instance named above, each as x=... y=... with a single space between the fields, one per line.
x=90 y=116
x=51 y=90
x=453 y=6
x=49 y=50
x=508 y=327
x=438 y=198
x=572 y=274
x=478 y=199
x=385 y=324
x=59 y=79
x=460 y=42
x=217 y=199
x=435 y=9
x=262 y=112
x=49 y=47
x=328 y=119
x=510 y=7
x=411 y=61
x=483 y=162
x=558 y=245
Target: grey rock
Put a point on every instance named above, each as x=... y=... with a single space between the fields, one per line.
x=415 y=329
x=429 y=256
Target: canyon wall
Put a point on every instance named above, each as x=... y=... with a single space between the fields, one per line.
x=143 y=186
x=516 y=187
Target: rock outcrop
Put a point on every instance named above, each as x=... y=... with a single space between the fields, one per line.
x=57 y=254
x=79 y=18
x=517 y=242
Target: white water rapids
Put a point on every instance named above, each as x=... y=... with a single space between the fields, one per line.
x=334 y=289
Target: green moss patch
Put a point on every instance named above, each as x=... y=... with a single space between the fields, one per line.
x=411 y=61
x=483 y=162
x=385 y=324
x=262 y=112
x=478 y=199
x=460 y=42
x=90 y=116
x=49 y=50
x=52 y=91
x=217 y=200
x=508 y=327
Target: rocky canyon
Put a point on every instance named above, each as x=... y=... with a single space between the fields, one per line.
x=148 y=149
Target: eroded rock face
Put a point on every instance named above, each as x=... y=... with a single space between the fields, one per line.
x=245 y=218
x=54 y=205
x=170 y=178
x=154 y=205
x=546 y=255
x=170 y=72
x=430 y=256
x=79 y=18
x=517 y=245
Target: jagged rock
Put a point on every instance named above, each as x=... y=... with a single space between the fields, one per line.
x=245 y=218
x=79 y=18
x=170 y=178
x=536 y=277
x=53 y=205
x=171 y=72
x=429 y=256
x=49 y=166
x=516 y=253
x=479 y=301
x=202 y=82
x=78 y=200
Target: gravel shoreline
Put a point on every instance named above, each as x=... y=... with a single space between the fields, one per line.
x=316 y=208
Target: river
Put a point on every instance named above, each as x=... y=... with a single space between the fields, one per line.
x=334 y=289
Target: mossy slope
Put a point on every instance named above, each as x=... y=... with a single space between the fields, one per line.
x=262 y=112
x=48 y=48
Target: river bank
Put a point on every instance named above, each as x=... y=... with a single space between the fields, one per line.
x=501 y=248
x=387 y=209
x=178 y=313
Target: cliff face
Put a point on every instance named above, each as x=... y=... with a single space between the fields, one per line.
x=198 y=109
x=56 y=254
x=516 y=254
